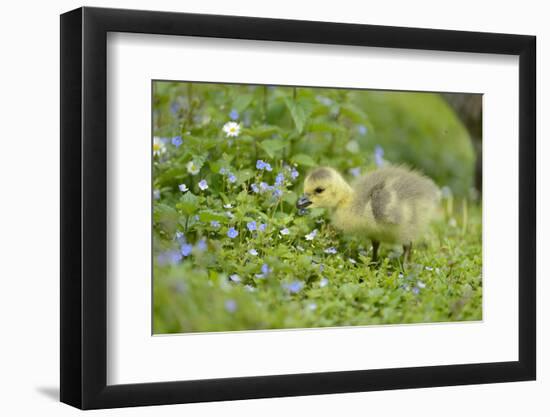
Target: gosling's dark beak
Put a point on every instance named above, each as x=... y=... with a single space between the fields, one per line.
x=303 y=202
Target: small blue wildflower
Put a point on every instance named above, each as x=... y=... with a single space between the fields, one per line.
x=230 y=306
x=321 y=267
x=233 y=114
x=183 y=188
x=235 y=278
x=156 y=194
x=285 y=231
x=277 y=193
x=311 y=236
x=232 y=178
x=279 y=179
x=294 y=287
x=331 y=250
x=265 y=186
x=232 y=233
x=355 y=172
x=180 y=237
x=294 y=173
x=202 y=245
x=253 y=252
x=177 y=141
x=223 y=171
x=265 y=269
x=260 y=164
x=267 y=167
x=251 y=226
x=379 y=156
x=323 y=283
x=416 y=290
x=203 y=185
x=186 y=249
x=362 y=130
x=174 y=107
x=215 y=224
x=171 y=257
x=312 y=306
x=255 y=188
x=262 y=227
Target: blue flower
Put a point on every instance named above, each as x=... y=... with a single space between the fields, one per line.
x=279 y=179
x=203 y=185
x=171 y=257
x=232 y=178
x=251 y=226
x=230 y=306
x=233 y=114
x=294 y=287
x=234 y=278
x=331 y=250
x=355 y=171
x=294 y=173
x=415 y=290
x=232 y=233
x=177 y=141
x=264 y=186
x=285 y=231
x=379 y=156
x=311 y=236
x=183 y=188
x=253 y=252
x=362 y=130
x=255 y=188
x=180 y=237
x=215 y=224
x=223 y=171
x=323 y=283
x=202 y=245
x=186 y=249
x=277 y=193
x=266 y=270
x=262 y=227
x=263 y=165
x=312 y=306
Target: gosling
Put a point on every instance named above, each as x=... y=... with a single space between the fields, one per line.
x=392 y=204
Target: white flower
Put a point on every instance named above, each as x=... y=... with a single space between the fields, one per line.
x=353 y=261
x=227 y=206
x=232 y=129
x=159 y=147
x=323 y=282
x=203 y=185
x=192 y=168
x=183 y=188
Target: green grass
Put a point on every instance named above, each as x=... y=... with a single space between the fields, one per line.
x=205 y=276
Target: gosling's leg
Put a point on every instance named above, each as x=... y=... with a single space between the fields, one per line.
x=407 y=253
x=375 y=246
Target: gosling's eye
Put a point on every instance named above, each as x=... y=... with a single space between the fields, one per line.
x=319 y=190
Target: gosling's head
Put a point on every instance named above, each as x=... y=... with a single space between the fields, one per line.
x=325 y=188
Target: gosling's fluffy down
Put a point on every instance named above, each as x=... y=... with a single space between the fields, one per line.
x=392 y=204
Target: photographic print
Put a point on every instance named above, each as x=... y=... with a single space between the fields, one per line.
x=289 y=207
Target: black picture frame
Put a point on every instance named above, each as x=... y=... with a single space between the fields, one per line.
x=84 y=207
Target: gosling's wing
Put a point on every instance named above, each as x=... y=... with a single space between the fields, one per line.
x=374 y=195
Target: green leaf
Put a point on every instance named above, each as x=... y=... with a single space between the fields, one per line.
x=303 y=160
x=298 y=113
x=242 y=102
x=210 y=215
x=188 y=203
x=271 y=146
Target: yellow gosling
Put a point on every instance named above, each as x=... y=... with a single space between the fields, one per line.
x=392 y=204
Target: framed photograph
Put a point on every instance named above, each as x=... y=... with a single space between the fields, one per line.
x=258 y=208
